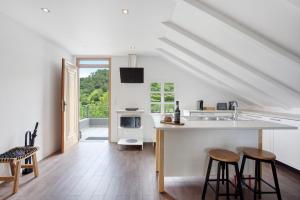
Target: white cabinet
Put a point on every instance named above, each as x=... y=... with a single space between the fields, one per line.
x=287 y=144
x=268 y=140
x=268 y=137
x=130 y=127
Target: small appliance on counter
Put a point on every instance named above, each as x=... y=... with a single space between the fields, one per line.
x=131 y=109
x=200 y=105
x=231 y=105
x=221 y=106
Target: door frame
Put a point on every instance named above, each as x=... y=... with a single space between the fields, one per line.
x=78 y=58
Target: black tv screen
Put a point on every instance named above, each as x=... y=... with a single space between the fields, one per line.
x=132 y=75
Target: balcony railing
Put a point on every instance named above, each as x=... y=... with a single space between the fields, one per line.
x=95 y=110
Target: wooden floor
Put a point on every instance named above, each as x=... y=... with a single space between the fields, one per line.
x=98 y=170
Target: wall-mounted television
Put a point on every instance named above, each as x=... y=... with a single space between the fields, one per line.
x=132 y=74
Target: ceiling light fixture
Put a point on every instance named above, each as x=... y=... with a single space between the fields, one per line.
x=46 y=10
x=125 y=11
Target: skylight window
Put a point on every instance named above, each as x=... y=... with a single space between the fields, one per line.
x=93 y=62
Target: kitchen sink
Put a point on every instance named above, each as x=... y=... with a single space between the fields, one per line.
x=213 y=118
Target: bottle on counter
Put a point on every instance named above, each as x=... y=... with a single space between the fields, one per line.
x=177 y=114
x=200 y=105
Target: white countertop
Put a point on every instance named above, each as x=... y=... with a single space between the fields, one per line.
x=255 y=112
x=214 y=125
x=210 y=111
x=273 y=114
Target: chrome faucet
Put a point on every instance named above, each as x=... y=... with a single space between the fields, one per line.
x=235 y=114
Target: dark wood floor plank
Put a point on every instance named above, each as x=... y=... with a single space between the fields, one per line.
x=99 y=171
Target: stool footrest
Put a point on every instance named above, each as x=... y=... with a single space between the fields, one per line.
x=229 y=181
x=250 y=188
x=27 y=166
x=222 y=194
x=6 y=178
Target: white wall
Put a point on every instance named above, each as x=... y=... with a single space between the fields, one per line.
x=188 y=89
x=30 y=68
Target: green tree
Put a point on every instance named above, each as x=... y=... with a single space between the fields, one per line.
x=94 y=95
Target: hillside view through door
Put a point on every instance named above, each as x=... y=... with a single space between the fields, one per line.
x=94 y=101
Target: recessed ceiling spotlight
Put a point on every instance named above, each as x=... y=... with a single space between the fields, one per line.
x=125 y=11
x=46 y=10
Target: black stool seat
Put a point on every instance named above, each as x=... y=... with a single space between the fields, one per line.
x=224 y=159
x=17 y=153
x=260 y=156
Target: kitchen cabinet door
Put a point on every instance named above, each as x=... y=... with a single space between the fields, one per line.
x=287 y=144
x=268 y=140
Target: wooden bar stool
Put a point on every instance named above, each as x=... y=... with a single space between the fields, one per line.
x=260 y=156
x=14 y=158
x=224 y=158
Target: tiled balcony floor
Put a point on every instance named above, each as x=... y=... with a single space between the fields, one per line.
x=93 y=132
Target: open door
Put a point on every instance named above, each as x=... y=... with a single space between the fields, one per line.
x=69 y=105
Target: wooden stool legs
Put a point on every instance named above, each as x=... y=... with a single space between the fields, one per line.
x=15 y=168
x=14 y=157
x=35 y=166
x=16 y=176
x=12 y=167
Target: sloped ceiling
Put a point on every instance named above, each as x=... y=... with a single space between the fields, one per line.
x=251 y=46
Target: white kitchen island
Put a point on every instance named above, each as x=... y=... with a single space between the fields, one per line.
x=182 y=150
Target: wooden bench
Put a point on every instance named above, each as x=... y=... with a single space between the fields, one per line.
x=14 y=157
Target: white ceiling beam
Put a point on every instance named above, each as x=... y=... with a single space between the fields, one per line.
x=174 y=27
x=246 y=32
x=296 y=3
x=216 y=68
x=207 y=77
